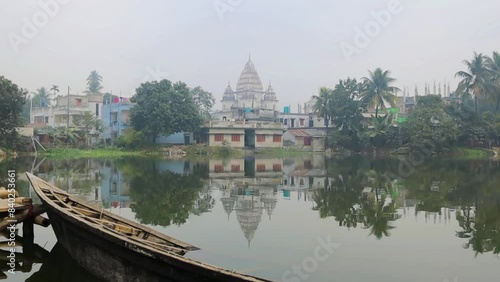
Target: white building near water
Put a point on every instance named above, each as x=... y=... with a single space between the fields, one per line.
x=67 y=110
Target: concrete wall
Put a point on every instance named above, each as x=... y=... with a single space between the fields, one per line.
x=227 y=132
x=269 y=137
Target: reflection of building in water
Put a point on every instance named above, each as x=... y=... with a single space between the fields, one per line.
x=250 y=167
x=115 y=188
x=81 y=178
x=303 y=175
x=249 y=214
x=249 y=198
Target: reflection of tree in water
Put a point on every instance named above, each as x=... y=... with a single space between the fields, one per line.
x=350 y=207
x=204 y=203
x=481 y=226
x=164 y=197
x=472 y=186
x=377 y=215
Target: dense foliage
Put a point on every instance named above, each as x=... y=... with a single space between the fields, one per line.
x=164 y=108
x=12 y=99
x=471 y=118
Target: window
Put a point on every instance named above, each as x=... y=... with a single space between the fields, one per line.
x=276 y=138
x=235 y=168
x=219 y=137
x=301 y=181
x=276 y=167
x=96 y=110
x=261 y=138
x=78 y=102
x=307 y=141
x=285 y=121
x=235 y=138
x=307 y=164
x=301 y=121
x=261 y=168
x=218 y=168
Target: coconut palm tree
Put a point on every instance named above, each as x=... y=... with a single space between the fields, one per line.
x=378 y=89
x=41 y=97
x=475 y=80
x=94 y=82
x=493 y=65
x=322 y=104
x=54 y=89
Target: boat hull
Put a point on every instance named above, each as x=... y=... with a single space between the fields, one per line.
x=112 y=256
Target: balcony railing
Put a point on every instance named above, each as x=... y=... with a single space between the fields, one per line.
x=243 y=124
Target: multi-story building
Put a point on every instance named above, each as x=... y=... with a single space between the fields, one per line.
x=67 y=110
x=116 y=119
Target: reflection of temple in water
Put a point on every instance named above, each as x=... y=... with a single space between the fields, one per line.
x=249 y=198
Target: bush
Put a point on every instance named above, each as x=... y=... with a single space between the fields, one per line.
x=131 y=139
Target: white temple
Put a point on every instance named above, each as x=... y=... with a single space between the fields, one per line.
x=249 y=92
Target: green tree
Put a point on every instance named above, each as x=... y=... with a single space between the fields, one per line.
x=493 y=65
x=381 y=131
x=476 y=80
x=41 y=98
x=429 y=125
x=379 y=90
x=12 y=99
x=164 y=108
x=322 y=104
x=345 y=109
x=204 y=100
x=94 y=81
x=89 y=123
x=64 y=134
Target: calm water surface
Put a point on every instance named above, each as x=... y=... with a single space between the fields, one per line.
x=271 y=217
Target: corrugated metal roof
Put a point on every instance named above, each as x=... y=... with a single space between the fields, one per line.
x=299 y=132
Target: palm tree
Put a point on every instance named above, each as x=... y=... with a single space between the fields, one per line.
x=475 y=80
x=322 y=104
x=41 y=97
x=54 y=89
x=94 y=82
x=493 y=65
x=378 y=90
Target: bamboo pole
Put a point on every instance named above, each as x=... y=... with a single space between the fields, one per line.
x=21 y=216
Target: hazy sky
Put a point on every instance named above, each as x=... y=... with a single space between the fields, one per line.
x=295 y=44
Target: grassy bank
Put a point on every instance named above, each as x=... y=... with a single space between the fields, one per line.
x=70 y=153
x=202 y=150
x=282 y=152
x=470 y=153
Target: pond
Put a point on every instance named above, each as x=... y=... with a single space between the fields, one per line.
x=307 y=218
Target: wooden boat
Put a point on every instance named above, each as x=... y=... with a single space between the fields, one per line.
x=116 y=249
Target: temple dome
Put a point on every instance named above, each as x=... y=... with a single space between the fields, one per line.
x=249 y=79
x=270 y=95
x=228 y=94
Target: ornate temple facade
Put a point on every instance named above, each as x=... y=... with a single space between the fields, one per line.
x=249 y=93
x=249 y=116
